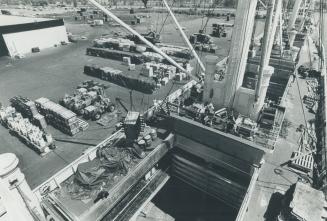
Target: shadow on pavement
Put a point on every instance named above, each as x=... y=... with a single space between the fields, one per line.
x=274 y=207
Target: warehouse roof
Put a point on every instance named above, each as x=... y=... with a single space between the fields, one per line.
x=15 y=20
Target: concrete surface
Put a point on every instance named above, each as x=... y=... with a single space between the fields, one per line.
x=271 y=184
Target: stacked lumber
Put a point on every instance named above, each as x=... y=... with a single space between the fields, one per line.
x=123 y=44
x=176 y=51
x=115 y=43
x=144 y=85
x=114 y=54
x=30 y=134
x=312 y=96
x=60 y=117
x=136 y=58
x=28 y=109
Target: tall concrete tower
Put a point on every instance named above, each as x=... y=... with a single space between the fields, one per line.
x=222 y=92
x=17 y=201
x=241 y=40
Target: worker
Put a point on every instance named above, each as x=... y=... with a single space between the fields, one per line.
x=293 y=77
x=101 y=195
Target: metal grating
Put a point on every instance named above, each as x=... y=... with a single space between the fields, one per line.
x=303 y=163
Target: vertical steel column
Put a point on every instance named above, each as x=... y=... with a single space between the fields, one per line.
x=240 y=43
x=264 y=61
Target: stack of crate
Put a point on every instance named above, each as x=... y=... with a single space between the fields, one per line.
x=60 y=117
x=27 y=132
x=28 y=109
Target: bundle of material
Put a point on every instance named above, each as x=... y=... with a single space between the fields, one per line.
x=176 y=51
x=152 y=56
x=114 y=43
x=115 y=54
x=5 y=113
x=144 y=85
x=60 y=117
x=25 y=130
x=161 y=73
x=28 y=109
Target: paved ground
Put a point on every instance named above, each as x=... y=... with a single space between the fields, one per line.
x=57 y=71
x=270 y=186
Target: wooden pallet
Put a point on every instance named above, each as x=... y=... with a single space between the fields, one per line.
x=303 y=163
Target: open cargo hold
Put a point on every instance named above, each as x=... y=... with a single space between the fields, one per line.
x=28 y=133
x=60 y=117
x=144 y=85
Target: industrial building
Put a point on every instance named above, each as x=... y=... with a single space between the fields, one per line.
x=19 y=35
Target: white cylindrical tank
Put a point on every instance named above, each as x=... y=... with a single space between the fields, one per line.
x=16 y=197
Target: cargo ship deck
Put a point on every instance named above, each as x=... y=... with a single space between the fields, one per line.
x=47 y=81
x=276 y=176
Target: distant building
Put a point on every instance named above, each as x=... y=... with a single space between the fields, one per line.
x=18 y=35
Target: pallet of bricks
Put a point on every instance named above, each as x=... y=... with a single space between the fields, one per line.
x=144 y=85
x=60 y=117
x=28 y=109
x=27 y=132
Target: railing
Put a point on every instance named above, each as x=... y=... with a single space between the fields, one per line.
x=322 y=130
x=248 y=195
x=170 y=98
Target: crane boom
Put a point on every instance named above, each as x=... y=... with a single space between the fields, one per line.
x=156 y=49
x=184 y=35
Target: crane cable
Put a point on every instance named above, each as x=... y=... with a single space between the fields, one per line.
x=166 y=18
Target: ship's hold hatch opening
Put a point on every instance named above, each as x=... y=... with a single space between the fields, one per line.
x=180 y=201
